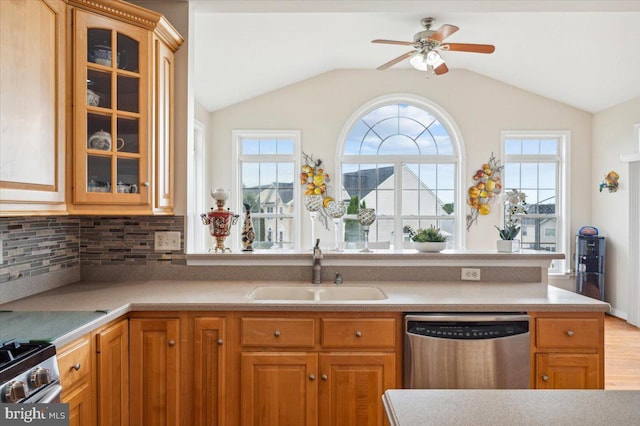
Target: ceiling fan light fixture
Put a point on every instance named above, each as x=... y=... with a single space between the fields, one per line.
x=433 y=58
x=419 y=62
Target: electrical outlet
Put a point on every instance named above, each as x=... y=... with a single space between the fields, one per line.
x=471 y=274
x=167 y=241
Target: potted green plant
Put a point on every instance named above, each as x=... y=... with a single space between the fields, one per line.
x=428 y=240
x=515 y=205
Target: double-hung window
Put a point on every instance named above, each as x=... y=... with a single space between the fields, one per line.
x=536 y=163
x=267 y=163
x=401 y=157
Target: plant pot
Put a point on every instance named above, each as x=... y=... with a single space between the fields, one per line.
x=508 y=246
x=429 y=246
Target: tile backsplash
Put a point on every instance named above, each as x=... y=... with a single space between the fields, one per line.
x=37 y=245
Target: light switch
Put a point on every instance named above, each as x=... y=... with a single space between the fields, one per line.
x=167 y=241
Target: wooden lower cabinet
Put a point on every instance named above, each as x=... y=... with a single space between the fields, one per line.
x=74 y=362
x=567 y=350
x=112 y=374
x=567 y=371
x=209 y=364
x=317 y=368
x=154 y=365
x=351 y=387
x=79 y=400
x=279 y=388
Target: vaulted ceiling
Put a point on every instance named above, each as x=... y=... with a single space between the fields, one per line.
x=583 y=53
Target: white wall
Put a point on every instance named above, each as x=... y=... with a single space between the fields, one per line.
x=481 y=107
x=613 y=133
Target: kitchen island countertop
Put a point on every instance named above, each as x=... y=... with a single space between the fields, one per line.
x=119 y=298
x=418 y=407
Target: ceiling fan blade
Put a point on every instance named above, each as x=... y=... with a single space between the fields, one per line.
x=443 y=32
x=396 y=60
x=404 y=43
x=465 y=47
x=441 y=69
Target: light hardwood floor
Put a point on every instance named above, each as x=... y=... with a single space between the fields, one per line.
x=621 y=355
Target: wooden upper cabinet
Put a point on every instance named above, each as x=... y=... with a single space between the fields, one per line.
x=32 y=107
x=122 y=140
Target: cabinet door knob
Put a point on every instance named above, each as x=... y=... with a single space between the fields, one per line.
x=145 y=183
x=276 y=333
x=171 y=343
x=312 y=377
x=358 y=333
x=545 y=378
x=76 y=366
x=220 y=342
x=324 y=377
x=570 y=333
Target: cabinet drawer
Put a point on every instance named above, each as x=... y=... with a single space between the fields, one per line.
x=357 y=332
x=74 y=362
x=567 y=333
x=280 y=332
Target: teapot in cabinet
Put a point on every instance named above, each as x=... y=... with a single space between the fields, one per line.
x=102 y=140
x=101 y=54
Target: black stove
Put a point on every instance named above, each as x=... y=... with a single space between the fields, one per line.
x=28 y=372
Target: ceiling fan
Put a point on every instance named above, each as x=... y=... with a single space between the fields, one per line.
x=425 y=55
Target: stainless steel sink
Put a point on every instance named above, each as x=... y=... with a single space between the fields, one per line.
x=317 y=293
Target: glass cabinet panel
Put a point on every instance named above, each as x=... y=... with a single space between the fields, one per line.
x=128 y=175
x=98 y=89
x=128 y=53
x=128 y=93
x=99 y=46
x=128 y=135
x=98 y=174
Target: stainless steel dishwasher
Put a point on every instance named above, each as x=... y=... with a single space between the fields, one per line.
x=466 y=351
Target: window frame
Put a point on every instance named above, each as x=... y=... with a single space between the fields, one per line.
x=236 y=168
x=458 y=158
x=563 y=213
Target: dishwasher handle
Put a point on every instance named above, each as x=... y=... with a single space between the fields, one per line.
x=467 y=317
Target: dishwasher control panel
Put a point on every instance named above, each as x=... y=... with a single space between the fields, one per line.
x=468 y=330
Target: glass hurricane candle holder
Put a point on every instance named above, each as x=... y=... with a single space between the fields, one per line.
x=336 y=210
x=313 y=203
x=366 y=217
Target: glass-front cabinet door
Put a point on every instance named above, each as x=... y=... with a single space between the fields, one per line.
x=111 y=112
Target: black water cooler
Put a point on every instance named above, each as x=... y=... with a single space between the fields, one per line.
x=590 y=266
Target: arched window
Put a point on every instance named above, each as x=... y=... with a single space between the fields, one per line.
x=402 y=156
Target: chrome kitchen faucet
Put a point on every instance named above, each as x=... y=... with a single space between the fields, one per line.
x=316 y=277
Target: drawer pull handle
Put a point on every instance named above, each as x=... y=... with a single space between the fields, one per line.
x=312 y=377
x=358 y=333
x=172 y=343
x=220 y=342
x=570 y=333
x=76 y=366
x=324 y=377
x=276 y=333
x=545 y=378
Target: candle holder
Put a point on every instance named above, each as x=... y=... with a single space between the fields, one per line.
x=313 y=204
x=336 y=210
x=366 y=217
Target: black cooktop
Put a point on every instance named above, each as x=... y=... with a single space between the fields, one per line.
x=46 y=326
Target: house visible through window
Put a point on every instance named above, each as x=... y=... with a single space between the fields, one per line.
x=535 y=164
x=401 y=158
x=268 y=162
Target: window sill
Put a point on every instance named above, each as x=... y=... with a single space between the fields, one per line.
x=529 y=258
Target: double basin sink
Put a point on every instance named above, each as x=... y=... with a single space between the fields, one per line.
x=317 y=293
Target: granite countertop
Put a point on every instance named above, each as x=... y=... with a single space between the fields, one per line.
x=417 y=407
x=116 y=299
